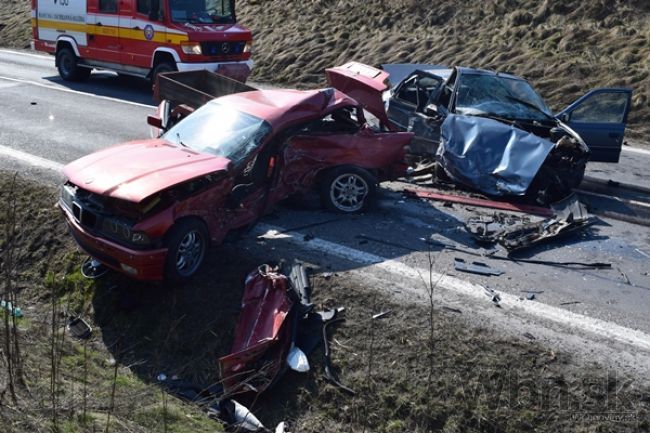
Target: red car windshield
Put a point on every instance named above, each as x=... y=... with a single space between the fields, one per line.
x=202 y=11
x=221 y=131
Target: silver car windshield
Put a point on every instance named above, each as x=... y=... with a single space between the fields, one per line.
x=500 y=96
x=220 y=130
x=201 y=11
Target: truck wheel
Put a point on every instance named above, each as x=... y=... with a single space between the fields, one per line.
x=187 y=242
x=348 y=190
x=69 y=69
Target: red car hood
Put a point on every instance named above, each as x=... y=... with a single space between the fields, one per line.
x=363 y=83
x=134 y=171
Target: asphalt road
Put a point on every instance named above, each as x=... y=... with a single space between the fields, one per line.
x=47 y=121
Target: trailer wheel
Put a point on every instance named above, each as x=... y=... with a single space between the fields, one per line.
x=68 y=66
x=348 y=189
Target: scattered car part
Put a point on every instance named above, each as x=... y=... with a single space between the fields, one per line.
x=485 y=229
x=494 y=296
x=591 y=265
x=92 y=268
x=235 y=415
x=79 y=328
x=570 y=216
x=300 y=282
x=475 y=268
x=262 y=336
x=297 y=360
x=328 y=373
x=451 y=309
x=514 y=207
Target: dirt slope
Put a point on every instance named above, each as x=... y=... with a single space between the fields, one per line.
x=563 y=47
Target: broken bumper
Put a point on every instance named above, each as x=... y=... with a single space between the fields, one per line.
x=138 y=264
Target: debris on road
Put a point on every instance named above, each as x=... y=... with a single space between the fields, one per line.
x=570 y=216
x=493 y=295
x=570 y=303
x=475 y=268
x=480 y=202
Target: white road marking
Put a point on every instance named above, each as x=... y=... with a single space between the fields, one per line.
x=77 y=92
x=8 y=85
x=414 y=277
x=636 y=150
x=30 y=159
x=611 y=197
x=22 y=53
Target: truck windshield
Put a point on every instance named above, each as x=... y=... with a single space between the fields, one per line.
x=202 y=11
x=220 y=130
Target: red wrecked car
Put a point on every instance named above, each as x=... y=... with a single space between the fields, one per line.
x=151 y=208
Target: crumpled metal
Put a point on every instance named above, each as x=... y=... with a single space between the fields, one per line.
x=490 y=156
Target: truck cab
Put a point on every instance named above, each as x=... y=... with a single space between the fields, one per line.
x=142 y=37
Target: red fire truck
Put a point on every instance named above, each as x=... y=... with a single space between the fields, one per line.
x=142 y=37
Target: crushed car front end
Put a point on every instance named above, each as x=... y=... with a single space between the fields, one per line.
x=115 y=241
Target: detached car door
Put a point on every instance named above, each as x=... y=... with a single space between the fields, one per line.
x=600 y=117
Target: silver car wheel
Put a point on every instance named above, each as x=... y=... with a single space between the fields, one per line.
x=190 y=253
x=348 y=192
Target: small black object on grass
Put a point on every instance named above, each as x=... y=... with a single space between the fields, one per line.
x=78 y=328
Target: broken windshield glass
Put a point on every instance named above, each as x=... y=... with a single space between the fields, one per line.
x=220 y=131
x=202 y=11
x=499 y=96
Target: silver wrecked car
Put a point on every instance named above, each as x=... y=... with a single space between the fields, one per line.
x=489 y=130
